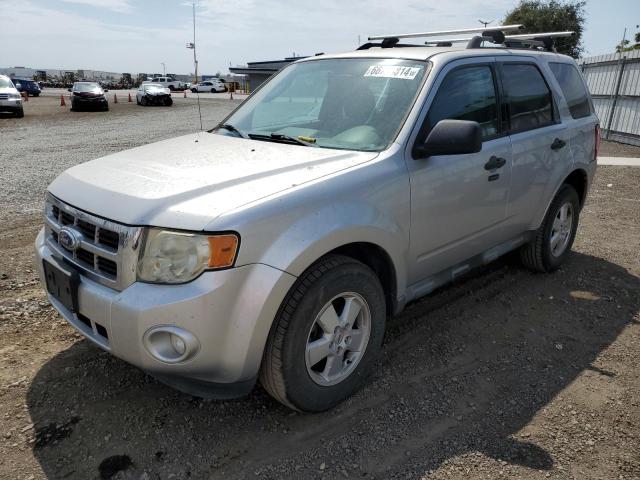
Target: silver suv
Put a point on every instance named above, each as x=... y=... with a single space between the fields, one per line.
x=275 y=246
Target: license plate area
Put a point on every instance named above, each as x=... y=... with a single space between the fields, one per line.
x=62 y=284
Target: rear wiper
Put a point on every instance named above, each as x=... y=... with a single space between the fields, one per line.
x=279 y=137
x=231 y=128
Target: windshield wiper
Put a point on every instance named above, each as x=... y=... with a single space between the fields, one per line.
x=231 y=128
x=280 y=137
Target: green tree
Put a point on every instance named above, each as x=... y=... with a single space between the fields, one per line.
x=540 y=16
x=626 y=46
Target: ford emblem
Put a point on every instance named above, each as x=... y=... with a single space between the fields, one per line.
x=69 y=238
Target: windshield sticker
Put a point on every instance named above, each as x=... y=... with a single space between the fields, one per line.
x=392 y=71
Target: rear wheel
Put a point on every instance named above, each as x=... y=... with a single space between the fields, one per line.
x=553 y=240
x=326 y=337
x=168 y=102
x=194 y=90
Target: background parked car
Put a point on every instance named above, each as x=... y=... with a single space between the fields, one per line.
x=153 y=94
x=170 y=83
x=10 y=99
x=213 y=85
x=88 y=95
x=31 y=87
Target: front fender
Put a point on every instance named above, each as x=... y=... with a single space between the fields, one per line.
x=318 y=233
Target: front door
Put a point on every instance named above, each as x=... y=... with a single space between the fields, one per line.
x=458 y=202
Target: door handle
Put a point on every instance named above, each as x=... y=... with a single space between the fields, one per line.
x=494 y=162
x=558 y=144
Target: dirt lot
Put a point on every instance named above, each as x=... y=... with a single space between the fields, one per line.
x=506 y=374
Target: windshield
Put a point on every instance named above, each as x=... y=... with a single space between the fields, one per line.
x=5 y=83
x=87 y=87
x=354 y=104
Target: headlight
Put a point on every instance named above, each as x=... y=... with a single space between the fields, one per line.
x=175 y=257
x=15 y=96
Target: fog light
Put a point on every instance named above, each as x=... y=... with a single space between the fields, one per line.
x=178 y=344
x=170 y=344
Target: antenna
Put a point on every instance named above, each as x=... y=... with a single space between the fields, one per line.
x=486 y=23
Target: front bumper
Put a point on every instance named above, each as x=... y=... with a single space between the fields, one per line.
x=11 y=105
x=229 y=312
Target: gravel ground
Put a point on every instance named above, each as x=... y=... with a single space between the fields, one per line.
x=615 y=149
x=504 y=374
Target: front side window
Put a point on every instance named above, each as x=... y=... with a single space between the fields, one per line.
x=467 y=93
x=528 y=97
x=573 y=89
x=353 y=104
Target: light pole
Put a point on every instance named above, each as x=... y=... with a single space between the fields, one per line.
x=164 y=70
x=192 y=45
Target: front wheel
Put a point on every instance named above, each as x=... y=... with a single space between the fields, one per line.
x=327 y=335
x=20 y=113
x=552 y=242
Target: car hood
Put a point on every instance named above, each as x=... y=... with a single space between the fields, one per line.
x=188 y=181
x=8 y=90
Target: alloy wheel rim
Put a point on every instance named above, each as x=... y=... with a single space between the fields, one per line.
x=338 y=339
x=561 y=229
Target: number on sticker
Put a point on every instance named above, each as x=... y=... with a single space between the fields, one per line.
x=392 y=71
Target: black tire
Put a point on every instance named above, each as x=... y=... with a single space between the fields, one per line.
x=168 y=102
x=171 y=87
x=20 y=113
x=284 y=372
x=144 y=102
x=194 y=90
x=537 y=254
x=213 y=90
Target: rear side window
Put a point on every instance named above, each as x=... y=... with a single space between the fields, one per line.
x=527 y=96
x=573 y=89
x=467 y=93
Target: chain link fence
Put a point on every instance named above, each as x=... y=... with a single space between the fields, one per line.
x=614 y=83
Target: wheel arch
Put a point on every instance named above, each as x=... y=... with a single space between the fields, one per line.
x=578 y=179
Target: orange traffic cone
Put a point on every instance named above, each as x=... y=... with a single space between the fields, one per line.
x=185 y=94
x=130 y=97
x=115 y=98
x=62 y=104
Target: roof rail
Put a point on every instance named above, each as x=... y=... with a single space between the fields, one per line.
x=498 y=28
x=495 y=35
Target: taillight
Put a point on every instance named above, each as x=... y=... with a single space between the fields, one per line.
x=597 y=144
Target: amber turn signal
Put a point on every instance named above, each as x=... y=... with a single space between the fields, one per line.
x=223 y=249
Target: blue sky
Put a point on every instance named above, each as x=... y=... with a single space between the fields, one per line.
x=137 y=35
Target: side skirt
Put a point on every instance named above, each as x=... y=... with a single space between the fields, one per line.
x=429 y=284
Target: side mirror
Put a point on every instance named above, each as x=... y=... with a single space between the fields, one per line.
x=451 y=137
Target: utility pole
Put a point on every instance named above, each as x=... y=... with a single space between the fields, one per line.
x=164 y=70
x=192 y=45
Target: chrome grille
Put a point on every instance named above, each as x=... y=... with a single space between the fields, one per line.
x=4 y=96
x=107 y=252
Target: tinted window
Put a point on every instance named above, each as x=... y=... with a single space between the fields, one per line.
x=573 y=89
x=467 y=94
x=528 y=97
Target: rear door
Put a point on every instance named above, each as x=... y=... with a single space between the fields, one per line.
x=540 y=140
x=458 y=203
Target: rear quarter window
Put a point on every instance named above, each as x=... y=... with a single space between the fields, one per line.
x=528 y=97
x=573 y=89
